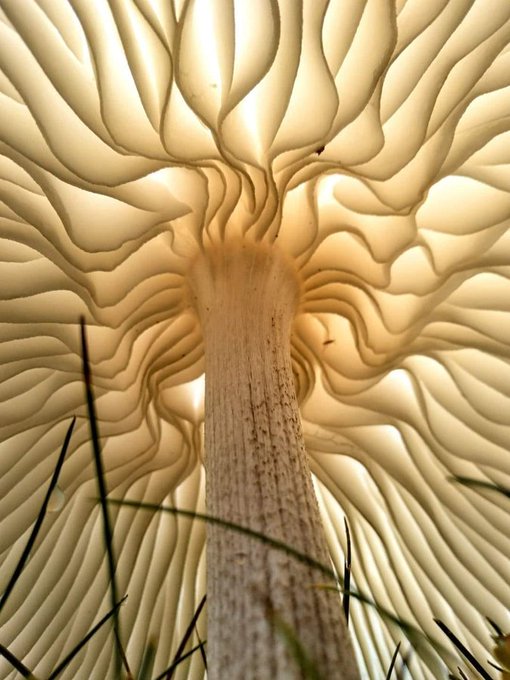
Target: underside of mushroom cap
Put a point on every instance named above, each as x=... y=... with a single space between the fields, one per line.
x=370 y=141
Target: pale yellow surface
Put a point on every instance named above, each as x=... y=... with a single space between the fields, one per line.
x=135 y=132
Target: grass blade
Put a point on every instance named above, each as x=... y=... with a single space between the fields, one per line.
x=392 y=662
x=499 y=632
x=494 y=665
x=404 y=665
x=67 y=660
x=182 y=658
x=305 y=664
x=40 y=518
x=147 y=661
x=347 y=574
x=463 y=676
x=101 y=483
x=409 y=630
x=15 y=662
x=202 y=649
x=186 y=636
x=463 y=650
x=274 y=543
x=413 y=634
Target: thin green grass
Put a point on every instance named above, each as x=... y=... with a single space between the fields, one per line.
x=298 y=652
x=463 y=676
x=15 y=662
x=187 y=634
x=182 y=658
x=285 y=630
x=146 y=668
x=67 y=659
x=347 y=574
x=497 y=629
x=201 y=647
x=225 y=524
x=404 y=664
x=4 y=651
x=40 y=518
x=495 y=665
x=147 y=662
x=392 y=662
x=408 y=629
x=463 y=650
x=18 y=569
x=120 y=656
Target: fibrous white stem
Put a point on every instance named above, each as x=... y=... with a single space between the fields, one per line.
x=258 y=477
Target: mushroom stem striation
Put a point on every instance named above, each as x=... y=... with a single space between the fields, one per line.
x=258 y=477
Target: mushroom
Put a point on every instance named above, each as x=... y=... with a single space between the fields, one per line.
x=315 y=198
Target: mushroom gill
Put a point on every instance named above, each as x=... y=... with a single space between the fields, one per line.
x=360 y=150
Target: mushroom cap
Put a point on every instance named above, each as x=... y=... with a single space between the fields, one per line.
x=369 y=140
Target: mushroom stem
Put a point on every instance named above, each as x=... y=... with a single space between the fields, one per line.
x=262 y=603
